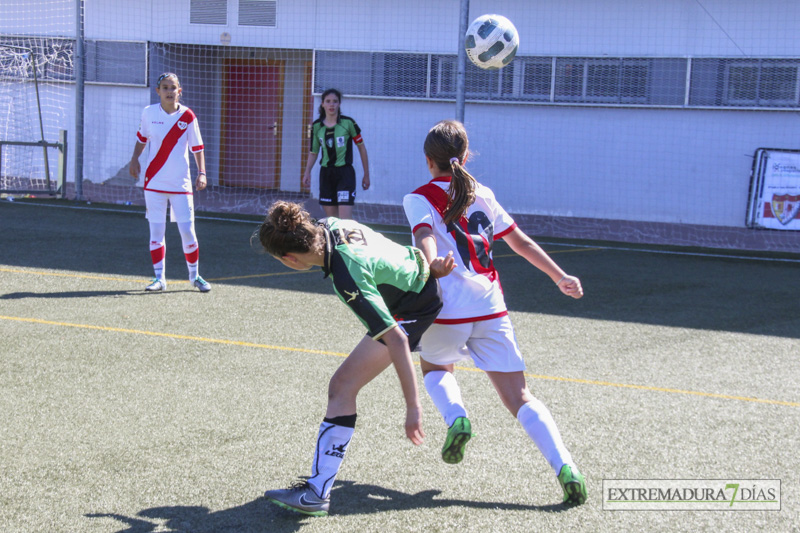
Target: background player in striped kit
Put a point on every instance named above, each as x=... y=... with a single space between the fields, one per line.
x=335 y=134
x=453 y=213
x=170 y=129
x=394 y=292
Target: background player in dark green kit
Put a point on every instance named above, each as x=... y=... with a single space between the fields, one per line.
x=335 y=134
x=393 y=291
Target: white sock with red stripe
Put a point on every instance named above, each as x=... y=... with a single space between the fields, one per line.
x=158 y=249
x=191 y=248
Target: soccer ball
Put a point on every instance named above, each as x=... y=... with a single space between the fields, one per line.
x=491 y=42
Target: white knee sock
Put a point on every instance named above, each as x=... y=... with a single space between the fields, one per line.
x=157 y=247
x=535 y=417
x=190 y=247
x=446 y=395
x=332 y=442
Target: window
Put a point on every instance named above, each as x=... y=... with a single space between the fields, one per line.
x=479 y=84
x=208 y=12
x=745 y=82
x=400 y=74
x=537 y=78
x=761 y=83
x=633 y=81
x=118 y=62
x=258 y=13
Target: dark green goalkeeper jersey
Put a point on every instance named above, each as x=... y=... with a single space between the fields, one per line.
x=336 y=142
x=383 y=283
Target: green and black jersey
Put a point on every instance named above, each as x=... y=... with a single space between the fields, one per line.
x=383 y=283
x=338 y=141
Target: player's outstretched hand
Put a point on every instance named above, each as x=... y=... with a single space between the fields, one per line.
x=414 y=425
x=442 y=266
x=571 y=286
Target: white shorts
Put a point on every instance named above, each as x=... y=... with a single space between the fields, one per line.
x=491 y=344
x=181 y=206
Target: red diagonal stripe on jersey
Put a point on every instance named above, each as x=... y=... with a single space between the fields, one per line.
x=170 y=140
x=436 y=196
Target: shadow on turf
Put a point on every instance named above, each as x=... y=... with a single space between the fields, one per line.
x=88 y=294
x=71 y=294
x=260 y=515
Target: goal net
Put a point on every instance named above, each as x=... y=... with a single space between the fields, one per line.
x=27 y=162
x=636 y=125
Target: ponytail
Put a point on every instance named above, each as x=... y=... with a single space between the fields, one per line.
x=447 y=145
x=460 y=194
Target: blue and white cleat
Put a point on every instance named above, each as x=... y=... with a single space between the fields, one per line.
x=156 y=284
x=201 y=284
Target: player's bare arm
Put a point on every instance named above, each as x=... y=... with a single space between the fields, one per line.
x=135 y=168
x=362 y=150
x=400 y=355
x=202 y=179
x=310 y=160
x=524 y=246
x=426 y=241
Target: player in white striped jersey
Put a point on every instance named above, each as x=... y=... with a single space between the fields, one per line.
x=170 y=129
x=454 y=214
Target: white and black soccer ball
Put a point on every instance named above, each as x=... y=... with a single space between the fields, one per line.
x=491 y=42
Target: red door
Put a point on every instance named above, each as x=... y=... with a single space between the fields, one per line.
x=250 y=148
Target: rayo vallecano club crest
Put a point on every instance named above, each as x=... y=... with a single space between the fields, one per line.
x=785 y=207
x=182 y=125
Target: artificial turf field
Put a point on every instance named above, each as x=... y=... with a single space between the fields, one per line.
x=122 y=410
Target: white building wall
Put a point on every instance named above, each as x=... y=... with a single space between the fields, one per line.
x=671 y=165
x=568 y=27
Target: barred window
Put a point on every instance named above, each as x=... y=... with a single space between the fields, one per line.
x=745 y=82
x=208 y=12
x=627 y=81
x=117 y=62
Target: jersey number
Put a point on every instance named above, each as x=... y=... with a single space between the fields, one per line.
x=475 y=246
x=350 y=236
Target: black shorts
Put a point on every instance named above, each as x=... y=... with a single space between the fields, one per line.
x=419 y=312
x=337 y=185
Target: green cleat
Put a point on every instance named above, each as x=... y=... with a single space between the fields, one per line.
x=457 y=437
x=573 y=484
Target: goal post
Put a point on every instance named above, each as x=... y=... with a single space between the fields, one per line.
x=8 y=181
x=21 y=172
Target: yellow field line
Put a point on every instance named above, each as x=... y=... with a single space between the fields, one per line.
x=340 y=354
x=168 y=335
x=58 y=274
x=107 y=278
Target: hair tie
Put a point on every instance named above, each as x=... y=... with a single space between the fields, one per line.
x=454 y=160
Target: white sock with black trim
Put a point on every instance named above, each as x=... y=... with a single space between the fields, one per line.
x=332 y=442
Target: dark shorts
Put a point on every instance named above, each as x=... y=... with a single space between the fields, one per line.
x=422 y=310
x=337 y=185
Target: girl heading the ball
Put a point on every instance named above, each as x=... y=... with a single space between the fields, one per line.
x=393 y=290
x=453 y=213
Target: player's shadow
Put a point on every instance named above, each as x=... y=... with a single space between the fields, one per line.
x=68 y=294
x=261 y=516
